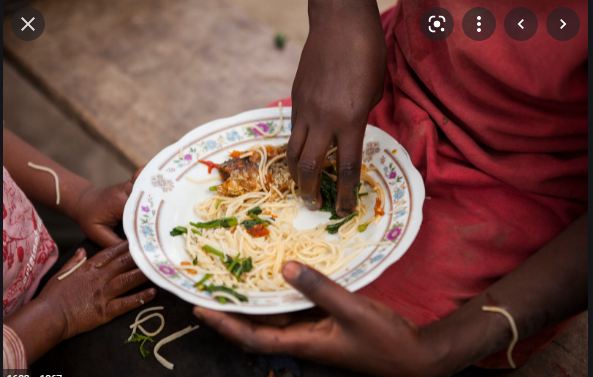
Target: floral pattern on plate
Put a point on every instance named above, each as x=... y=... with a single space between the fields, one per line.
x=147 y=223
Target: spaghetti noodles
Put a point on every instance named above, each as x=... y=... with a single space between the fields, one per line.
x=168 y=339
x=72 y=269
x=260 y=237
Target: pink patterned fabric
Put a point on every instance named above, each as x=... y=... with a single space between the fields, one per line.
x=28 y=251
x=13 y=352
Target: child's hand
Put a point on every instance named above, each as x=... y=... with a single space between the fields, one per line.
x=339 y=80
x=91 y=295
x=98 y=211
x=87 y=298
x=358 y=333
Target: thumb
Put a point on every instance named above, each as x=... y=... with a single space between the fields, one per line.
x=78 y=256
x=325 y=293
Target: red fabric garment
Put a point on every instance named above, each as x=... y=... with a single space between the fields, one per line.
x=498 y=131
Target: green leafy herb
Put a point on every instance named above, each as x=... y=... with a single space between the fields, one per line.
x=356 y=190
x=258 y=220
x=218 y=203
x=256 y=210
x=332 y=229
x=195 y=261
x=248 y=224
x=329 y=193
x=225 y=222
x=212 y=188
x=222 y=288
x=279 y=41
x=246 y=266
x=212 y=250
x=137 y=338
x=178 y=230
x=234 y=263
x=200 y=284
x=363 y=194
x=195 y=231
x=221 y=299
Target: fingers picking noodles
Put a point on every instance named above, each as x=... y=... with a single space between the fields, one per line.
x=282 y=241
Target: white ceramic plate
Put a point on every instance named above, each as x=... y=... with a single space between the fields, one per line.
x=163 y=199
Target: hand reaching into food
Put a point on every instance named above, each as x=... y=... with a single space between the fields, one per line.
x=256 y=203
x=331 y=101
x=91 y=295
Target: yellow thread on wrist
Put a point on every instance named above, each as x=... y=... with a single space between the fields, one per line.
x=496 y=309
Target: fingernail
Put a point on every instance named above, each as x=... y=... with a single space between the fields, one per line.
x=198 y=312
x=152 y=292
x=79 y=251
x=310 y=204
x=291 y=271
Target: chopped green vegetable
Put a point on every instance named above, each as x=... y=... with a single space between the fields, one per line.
x=332 y=229
x=212 y=188
x=356 y=190
x=279 y=41
x=212 y=250
x=222 y=288
x=195 y=231
x=256 y=210
x=253 y=213
x=248 y=224
x=363 y=194
x=195 y=261
x=202 y=281
x=221 y=299
x=228 y=260
x=329 y=193
x=218 y=203
x=225 y=222
x=362 y=227
x=178 y=230
x=246 y=266
x=234 y=263
x=258 y=220
x=137 y=338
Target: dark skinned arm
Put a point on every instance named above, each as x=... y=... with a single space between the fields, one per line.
x=96 y=211
x=339 y=80
x=82 y=301
x=366 y=335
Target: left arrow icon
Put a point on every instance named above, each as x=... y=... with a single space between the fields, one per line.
x=520 y=22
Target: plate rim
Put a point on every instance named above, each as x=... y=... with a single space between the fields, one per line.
x=412 y=227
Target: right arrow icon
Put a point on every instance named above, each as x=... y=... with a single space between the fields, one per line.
x=563 y=23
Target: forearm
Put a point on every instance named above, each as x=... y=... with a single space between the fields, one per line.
x=39 y=186
x=351 y=22
x=547 y=288
x=39 y=328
